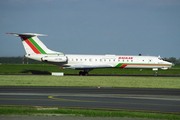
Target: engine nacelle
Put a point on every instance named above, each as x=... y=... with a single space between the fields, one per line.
x=54 y=59
x=164 y=68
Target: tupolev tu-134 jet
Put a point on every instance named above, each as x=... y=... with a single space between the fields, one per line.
x=36 y=50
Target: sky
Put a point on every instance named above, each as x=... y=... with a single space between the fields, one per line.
x=121 y=27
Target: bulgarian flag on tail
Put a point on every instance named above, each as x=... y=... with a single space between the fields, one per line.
x=33 y=45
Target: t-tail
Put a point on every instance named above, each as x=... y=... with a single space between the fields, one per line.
x=36 y=50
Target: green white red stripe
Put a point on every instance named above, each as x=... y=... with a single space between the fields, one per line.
x=33 y=45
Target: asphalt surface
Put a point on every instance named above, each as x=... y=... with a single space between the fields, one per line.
x=131 y=99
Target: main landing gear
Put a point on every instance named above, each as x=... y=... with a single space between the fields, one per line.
x=85 y=72
x=82 y=73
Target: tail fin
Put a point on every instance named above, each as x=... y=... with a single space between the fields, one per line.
x=33 y=45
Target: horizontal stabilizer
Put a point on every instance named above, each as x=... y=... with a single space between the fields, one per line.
x=27 y=34
x=33 y=45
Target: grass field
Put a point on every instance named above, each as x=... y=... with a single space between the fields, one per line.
x=85 y=81
x=90 y=81
x=47 y=69
x=30 y=111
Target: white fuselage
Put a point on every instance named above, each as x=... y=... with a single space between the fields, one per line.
x=100 y=61
x=121 y=61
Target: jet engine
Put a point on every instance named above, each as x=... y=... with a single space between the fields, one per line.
x=54 y=59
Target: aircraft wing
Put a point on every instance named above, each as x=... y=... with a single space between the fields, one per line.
x=83 y=67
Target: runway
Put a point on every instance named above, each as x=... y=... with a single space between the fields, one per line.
x=130 y=99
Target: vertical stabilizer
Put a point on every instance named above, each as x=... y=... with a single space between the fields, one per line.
x=33 y=45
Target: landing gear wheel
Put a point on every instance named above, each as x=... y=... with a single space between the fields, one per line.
x=80 y=73
x=85 y=73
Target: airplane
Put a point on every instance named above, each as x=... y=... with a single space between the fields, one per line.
x=36 y=50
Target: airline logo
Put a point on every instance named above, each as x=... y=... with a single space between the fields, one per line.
x=125 y=58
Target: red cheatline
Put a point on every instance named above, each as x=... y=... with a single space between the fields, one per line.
x=124 y=65
x=148 y=65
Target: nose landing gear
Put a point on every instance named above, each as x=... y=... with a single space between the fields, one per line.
x=156 y=71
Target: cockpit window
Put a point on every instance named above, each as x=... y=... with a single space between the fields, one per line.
x=160 y=58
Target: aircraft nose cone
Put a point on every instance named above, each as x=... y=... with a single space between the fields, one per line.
x=170 y=64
